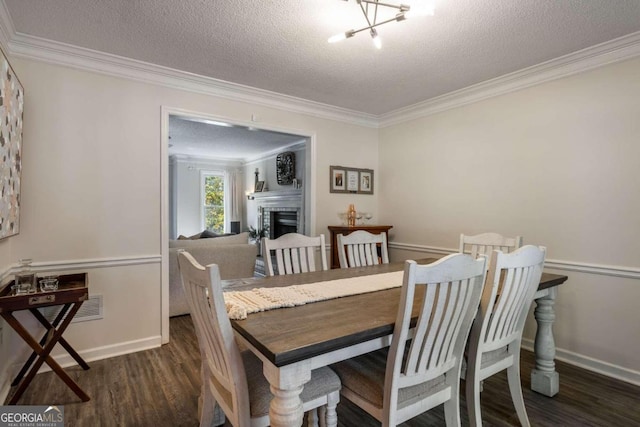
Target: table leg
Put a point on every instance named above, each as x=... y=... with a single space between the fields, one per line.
x=53 y=336
x=287 y=383
x=544 y=378
x=63 y=311
x=72 y=352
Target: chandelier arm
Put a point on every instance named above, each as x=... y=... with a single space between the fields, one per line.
x=375 y=13
x=354 y=32
x=365 y=14
x=395 y=6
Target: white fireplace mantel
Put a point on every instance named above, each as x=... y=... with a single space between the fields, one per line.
x=290 y=198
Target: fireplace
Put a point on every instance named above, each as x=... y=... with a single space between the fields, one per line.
x=283 y=223
x=280 y=212
x=281 y=220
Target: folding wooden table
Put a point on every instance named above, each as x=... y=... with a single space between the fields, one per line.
x=71 y=293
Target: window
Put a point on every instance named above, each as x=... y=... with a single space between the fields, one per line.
x=213 y=201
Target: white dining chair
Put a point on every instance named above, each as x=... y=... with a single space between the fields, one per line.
x=294 y=253
x=420 y=370
x=494 y=342
x=360 y=248
x=232 y=378
x=485 y=243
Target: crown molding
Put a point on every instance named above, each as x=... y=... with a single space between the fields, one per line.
x=7 y=29
x=40 y=49
x=610 y=52
x=35 y=48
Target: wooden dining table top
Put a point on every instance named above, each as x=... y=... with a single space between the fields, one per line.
x=289 y=335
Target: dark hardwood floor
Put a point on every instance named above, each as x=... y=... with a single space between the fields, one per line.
x=160 y=387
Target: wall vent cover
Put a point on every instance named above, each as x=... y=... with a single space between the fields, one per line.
x=91 y=309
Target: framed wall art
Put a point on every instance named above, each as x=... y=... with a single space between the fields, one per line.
x=350 y=180
x=286 y=167
x=338 y=179
x=12 y=107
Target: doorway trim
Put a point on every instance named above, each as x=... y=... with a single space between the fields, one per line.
x=165 y=112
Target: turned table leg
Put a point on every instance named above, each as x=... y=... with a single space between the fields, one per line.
x=287 y=383
x=544 y=378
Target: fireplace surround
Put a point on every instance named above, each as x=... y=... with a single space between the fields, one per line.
x=280 y=212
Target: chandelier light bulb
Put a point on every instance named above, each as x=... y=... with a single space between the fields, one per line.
x=341 y=36
x=376 y=39
x=337 y=37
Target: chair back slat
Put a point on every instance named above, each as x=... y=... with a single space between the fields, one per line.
x=453 y=286
x=294 y=253
x=222 y=368
x=486 y=243
x=360 y=249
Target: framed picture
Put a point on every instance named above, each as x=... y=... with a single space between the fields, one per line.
x=259 y=187
x=338 y=179
x=12 y=102
x=350 y=180
x=286 y=168
x=366 y=182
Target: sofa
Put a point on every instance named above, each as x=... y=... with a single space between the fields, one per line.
x=235 y=257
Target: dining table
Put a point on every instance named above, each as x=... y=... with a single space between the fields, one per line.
x=293 y=341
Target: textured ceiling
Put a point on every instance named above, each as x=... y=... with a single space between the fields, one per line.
x=282 y=46
x=196 y=138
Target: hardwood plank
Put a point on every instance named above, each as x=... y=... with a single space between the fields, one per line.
x=160 y=387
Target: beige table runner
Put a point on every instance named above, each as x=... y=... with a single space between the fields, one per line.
x=241 y=303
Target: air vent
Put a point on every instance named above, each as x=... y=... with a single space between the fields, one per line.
x=91 y=309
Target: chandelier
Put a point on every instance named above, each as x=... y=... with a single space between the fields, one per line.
x=370 y=9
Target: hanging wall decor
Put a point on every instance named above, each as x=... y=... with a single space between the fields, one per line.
x=350 y=180
x=286 y=167
x=11 y=109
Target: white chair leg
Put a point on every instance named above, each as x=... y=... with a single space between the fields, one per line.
x=206 y=407
x=515 y=387
x=312 y=418
x=473 y=397
x=452 y=406
x=331 y=416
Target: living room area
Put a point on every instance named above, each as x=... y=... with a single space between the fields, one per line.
x=229 y=186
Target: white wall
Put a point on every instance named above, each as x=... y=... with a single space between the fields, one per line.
x=92 y=195
x=557 y=163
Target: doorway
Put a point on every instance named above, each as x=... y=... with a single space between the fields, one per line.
x=198 y=144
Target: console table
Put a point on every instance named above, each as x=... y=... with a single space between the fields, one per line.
x=334 y=230
x=71 y=293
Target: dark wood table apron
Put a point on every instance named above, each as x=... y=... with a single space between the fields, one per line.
x=72 y=292
x=332 y=329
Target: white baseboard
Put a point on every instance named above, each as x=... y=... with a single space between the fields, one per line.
x=591 y=364
x=106 y=352
x=90 y=355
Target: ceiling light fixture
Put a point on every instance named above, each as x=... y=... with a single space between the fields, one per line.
x=370 y=11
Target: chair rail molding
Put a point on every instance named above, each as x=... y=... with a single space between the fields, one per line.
x=67 y=265
x=582 y=267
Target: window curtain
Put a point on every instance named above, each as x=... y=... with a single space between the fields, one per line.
x=233 y=198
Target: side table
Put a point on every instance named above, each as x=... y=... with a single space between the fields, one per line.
x=334 y=230
x=71 y=293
